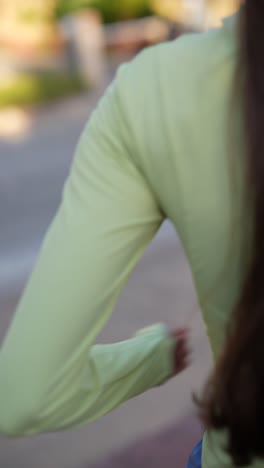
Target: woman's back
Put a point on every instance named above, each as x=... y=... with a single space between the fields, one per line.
x=156 y=147
x=190 y=148
x=178 y=108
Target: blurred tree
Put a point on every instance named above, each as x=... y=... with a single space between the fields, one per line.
x=182 y=11
x=172 y=9
x=29 y=22
x=199 y=12
x=111 y=10
x=33 y=21
x=217 y=9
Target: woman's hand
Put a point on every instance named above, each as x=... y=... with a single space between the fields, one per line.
x=182 y=351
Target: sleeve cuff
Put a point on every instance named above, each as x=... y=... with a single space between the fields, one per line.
x=165 y=353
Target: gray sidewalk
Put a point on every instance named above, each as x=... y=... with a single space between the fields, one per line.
x=169 y=448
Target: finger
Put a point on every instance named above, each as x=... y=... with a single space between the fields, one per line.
x=183 y=346
x=184 y=353
x=183 y=365
x=181 y=332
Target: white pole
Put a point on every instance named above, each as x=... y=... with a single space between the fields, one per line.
x=90 y=41
x=201 y=13
x=195 y=11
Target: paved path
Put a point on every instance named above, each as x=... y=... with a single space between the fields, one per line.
x=169 y=448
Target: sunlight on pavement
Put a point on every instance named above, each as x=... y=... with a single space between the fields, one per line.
x=14 y=122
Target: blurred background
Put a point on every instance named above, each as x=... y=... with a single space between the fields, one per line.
x=56 y=58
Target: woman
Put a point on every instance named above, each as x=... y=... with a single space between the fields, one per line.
x=168 y=140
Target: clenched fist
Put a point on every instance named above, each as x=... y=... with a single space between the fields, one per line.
x=182 y=351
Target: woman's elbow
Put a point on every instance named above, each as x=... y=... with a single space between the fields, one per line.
x=19 y=403
x=18 y=410
x=16 y=422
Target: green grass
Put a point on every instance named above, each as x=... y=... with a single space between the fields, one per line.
x=37 y=89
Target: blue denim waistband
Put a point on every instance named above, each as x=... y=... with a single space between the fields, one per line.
x=195 y=460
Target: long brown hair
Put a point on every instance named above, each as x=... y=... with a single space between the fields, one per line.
x=234 y=396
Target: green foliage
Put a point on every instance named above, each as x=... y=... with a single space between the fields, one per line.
x=35 y=89
x=32 y=16
x=111 y=10
x=65 y=7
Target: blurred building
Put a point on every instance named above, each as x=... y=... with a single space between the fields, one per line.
x=34 y=41
x=27 y=23
x=198 y=14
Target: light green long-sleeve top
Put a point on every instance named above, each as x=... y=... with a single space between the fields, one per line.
x=155 y=148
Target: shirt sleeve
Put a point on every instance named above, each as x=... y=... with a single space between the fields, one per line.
x=52 y=375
